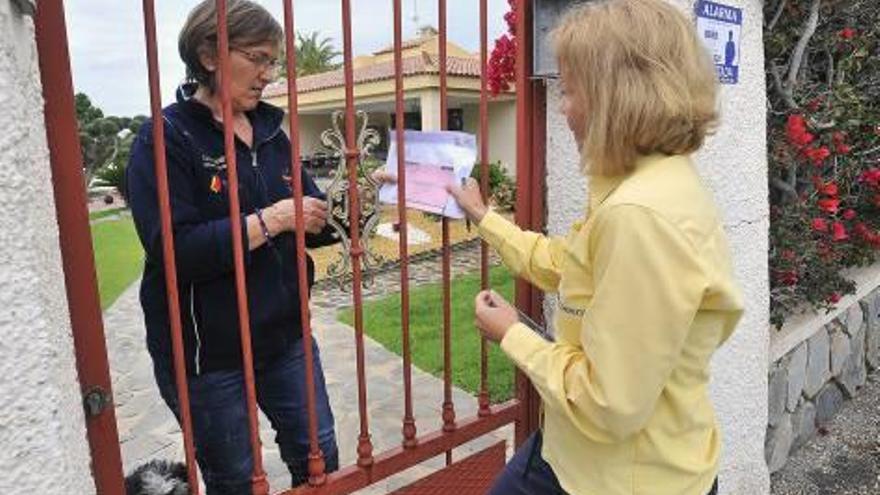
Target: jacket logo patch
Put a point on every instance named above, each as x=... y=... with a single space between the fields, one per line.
x=214 y=164
x=216 y=184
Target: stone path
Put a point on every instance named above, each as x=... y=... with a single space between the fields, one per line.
x=844 y=459
x=148 y=430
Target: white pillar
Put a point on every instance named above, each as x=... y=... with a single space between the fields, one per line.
x=734 y=165
x=429 y=103
x=42 y=429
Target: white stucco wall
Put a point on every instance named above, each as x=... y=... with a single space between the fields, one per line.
x=42 y=433
x=311 y=127
x=733 y=164
x=502 y=131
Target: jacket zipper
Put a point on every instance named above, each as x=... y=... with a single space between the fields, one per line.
x=192 y=313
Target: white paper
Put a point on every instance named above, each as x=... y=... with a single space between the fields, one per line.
x=452 y=153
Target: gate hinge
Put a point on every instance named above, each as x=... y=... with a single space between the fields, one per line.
x=95 y=400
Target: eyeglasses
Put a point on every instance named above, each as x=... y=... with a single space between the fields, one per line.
x=262 y=61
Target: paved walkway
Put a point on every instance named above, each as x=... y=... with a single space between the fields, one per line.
x=148 y=430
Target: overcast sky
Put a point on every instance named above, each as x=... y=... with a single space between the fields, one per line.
x=109 y=57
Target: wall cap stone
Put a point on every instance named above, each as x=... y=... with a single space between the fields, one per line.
x=800 y=327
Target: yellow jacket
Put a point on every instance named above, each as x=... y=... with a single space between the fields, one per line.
x=646 y=295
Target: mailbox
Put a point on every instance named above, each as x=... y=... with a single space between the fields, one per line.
x=546 y=13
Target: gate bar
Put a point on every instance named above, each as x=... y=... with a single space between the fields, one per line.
x=352 y=156
x=316 y=464
x=483 y=399
x=77 y=254
x=400 y=122
x=448 y=409
x=259 y=483
x=168 y=257
x=448 y=405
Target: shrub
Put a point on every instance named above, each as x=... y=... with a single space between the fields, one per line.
x=502 y=188
x=823 y=128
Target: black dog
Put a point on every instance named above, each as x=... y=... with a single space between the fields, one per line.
x=158 y=478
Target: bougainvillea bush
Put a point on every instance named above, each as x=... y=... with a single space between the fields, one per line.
x=501 y=67
x=822 y=60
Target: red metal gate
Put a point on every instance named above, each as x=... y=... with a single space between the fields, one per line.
x=92 y=362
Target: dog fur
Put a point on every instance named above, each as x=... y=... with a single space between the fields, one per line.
x=158 y=478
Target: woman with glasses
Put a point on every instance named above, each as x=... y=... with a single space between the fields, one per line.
x=199 y=194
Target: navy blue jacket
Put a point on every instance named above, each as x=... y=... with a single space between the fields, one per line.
x=197 y=177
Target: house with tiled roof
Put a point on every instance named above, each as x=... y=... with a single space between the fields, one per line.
x=319 y=95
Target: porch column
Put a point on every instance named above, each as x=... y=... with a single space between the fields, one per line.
x=42 y=429
x=734 y=165
x=429 y=103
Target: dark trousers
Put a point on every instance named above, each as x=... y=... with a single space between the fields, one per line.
x=220 y=419
x=527 y=473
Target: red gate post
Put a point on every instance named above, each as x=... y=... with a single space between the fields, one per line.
x=530 y=129
x=77 y=254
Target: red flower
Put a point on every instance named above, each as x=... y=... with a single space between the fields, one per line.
x=796 y=130
x=843 y=148
x=838 y=137
x=834 y=298
x=820 y=225
x=501 y=68
x=849 y=214
x=788 y=255
x=872 y=177
x=796 y=121
x=818 y=155
x=829 y=205
x=788 y=277
x=829 y=189
x=838 y=232
x=847 y=33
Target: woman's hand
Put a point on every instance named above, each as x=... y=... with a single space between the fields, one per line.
x=282 y=216
x=469 y=198
x=382 y=176
x=493 y=315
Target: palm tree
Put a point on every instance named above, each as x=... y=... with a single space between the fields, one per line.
x=312 y=55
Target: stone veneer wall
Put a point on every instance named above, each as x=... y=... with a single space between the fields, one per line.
x=808 y=384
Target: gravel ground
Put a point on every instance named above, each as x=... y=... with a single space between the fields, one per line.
x=844 y=459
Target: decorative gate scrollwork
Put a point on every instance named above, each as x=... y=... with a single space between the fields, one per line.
x=338 y=198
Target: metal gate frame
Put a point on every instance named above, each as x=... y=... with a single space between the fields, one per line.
x=81 y=282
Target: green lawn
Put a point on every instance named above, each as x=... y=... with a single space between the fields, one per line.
x=106 y=213
x=382 y=323
x=119 y=258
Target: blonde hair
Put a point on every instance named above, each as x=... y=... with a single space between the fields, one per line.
x=646 y=82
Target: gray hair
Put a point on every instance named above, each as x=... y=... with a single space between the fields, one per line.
x=248 y=24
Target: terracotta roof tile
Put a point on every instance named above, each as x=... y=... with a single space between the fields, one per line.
x=412 y=65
